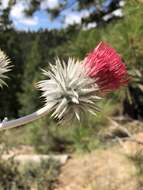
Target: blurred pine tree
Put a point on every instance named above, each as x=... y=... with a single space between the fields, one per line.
x=29 y=97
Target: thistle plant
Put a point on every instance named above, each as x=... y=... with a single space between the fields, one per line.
x=4 y=67
x=73 y=88
x=69 y=90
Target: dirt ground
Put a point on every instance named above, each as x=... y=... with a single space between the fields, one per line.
x=100 y=170
x=103 y=169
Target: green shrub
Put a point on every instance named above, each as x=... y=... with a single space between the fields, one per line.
x=137 y=159
x=39 y=176
x=48 y=137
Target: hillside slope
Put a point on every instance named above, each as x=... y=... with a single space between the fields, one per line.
x=109 y=169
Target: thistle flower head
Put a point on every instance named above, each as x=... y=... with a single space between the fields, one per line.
x=105 y=65
x=68 y=90
x=4 y=67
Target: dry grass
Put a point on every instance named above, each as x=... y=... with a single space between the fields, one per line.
x=102 y=170
x=106 y=169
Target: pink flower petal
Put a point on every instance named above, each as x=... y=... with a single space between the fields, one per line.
x=105 y=65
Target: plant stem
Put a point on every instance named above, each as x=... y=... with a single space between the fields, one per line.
x=25 y=120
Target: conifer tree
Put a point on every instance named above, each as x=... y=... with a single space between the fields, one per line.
x=29 y=96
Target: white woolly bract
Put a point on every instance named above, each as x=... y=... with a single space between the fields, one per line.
x=4 y=67
x=68 y=90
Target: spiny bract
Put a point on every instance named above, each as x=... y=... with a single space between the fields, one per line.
x=4 y=67
x=68 y=91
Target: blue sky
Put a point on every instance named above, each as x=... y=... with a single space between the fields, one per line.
x=41 y=19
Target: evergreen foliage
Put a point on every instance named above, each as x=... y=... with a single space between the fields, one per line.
x=29 y=95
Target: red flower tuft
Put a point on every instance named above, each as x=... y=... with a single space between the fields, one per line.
x=105 y=65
